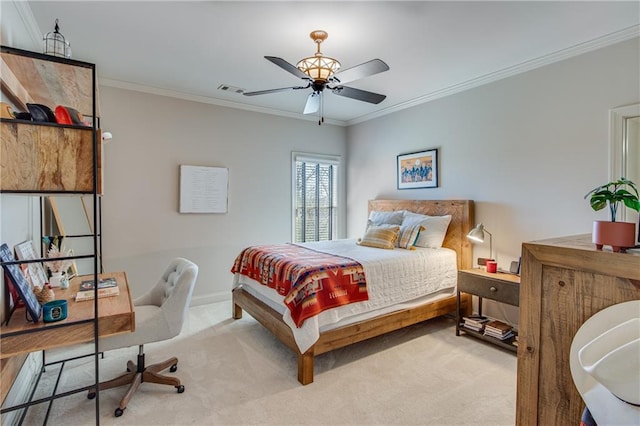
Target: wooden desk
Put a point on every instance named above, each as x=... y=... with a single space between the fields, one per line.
x=115 y=316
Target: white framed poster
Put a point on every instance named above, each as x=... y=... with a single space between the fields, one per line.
x=203 y=189
x=34 y=272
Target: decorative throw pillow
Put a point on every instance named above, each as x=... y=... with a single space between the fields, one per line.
x=380 y=217
x=384 y=237
x=408 y=236
x=435 y=228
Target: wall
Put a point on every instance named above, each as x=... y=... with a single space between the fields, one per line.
x=526 y=148
x=152 y=136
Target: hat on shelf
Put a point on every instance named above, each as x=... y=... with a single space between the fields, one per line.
x=605 y=364
x=41 y=113
x=68 y=115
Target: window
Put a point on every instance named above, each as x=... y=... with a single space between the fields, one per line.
x=315 y=197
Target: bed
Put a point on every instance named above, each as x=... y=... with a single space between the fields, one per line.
x=266 y=306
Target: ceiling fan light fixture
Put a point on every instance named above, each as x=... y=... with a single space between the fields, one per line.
x=319 y=67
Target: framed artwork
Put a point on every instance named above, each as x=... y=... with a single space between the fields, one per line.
x=418 y=169
x=34 y=272
x=19 y=283
x=203 y=189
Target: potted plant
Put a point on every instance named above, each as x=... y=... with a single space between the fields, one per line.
x=59 y=266
x=619 y=235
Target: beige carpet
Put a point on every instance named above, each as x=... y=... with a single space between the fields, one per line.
x=236 y=372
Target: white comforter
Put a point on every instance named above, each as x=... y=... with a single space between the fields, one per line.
x=393 y=277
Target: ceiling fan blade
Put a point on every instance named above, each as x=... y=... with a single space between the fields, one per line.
x=313 y=103
x=361 y=95
x=287 y=67
x=282 y=89
x=366 y=69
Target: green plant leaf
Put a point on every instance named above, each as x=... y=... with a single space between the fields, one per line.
x=612 y=194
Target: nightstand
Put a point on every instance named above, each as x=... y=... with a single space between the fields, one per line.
x=501 y=287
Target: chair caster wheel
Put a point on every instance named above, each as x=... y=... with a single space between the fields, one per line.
x=174 y=368
x=91 y=395
x=118 y=412
x=180 y=388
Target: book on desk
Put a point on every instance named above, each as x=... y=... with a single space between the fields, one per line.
x=106 y=287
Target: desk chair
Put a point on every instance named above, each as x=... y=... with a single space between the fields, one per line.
x=160 y=314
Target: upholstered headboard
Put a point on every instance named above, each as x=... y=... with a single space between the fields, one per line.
x=462 y=221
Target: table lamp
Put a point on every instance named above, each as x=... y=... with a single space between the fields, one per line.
x=477 y=235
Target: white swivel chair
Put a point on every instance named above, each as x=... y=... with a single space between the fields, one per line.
x=160 y=314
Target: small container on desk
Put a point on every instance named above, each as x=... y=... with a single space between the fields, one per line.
x=53 y=311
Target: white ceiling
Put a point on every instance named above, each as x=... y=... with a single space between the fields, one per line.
x=188 y=49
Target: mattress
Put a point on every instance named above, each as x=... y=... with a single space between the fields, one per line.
x=396 y=279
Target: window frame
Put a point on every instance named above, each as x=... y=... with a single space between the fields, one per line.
x=323 y=159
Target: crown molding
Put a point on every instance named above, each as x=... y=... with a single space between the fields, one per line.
x=211 y=101
x=560 y=55
x=578 y=49
x=29 y=21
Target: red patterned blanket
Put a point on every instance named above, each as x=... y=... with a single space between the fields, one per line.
x=311 y=281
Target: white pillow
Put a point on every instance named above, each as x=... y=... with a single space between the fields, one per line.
x=435 y=228
x=391 y=218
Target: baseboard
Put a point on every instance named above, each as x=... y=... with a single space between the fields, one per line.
x=211 y=298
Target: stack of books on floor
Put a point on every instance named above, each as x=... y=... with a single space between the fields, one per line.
x=475 y=322
x=498 y=329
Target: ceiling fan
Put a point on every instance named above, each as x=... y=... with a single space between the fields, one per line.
x=322 y=72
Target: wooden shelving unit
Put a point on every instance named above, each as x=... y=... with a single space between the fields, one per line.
x=48 y=158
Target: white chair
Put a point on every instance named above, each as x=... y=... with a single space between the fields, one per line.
x=160 y=314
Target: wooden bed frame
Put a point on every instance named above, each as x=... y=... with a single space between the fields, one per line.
x=462 y=221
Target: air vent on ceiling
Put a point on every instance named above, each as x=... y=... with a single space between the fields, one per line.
x=229 y=88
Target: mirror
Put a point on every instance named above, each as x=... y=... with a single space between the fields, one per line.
x=69 y=220
x=625 y=151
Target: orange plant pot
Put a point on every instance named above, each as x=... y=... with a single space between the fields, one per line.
x=618 y=235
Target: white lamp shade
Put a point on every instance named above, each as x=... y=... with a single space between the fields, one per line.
x=477 y=233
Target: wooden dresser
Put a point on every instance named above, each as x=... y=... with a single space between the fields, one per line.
x=564 y=281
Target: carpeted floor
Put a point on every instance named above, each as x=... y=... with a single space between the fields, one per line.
x=235 y=372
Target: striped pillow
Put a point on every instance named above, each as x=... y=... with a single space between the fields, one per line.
x=384 y=237
x=409 y=236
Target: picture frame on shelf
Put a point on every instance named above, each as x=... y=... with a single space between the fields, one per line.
x=20 y=284
x=418 y=169
x=33 y=271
